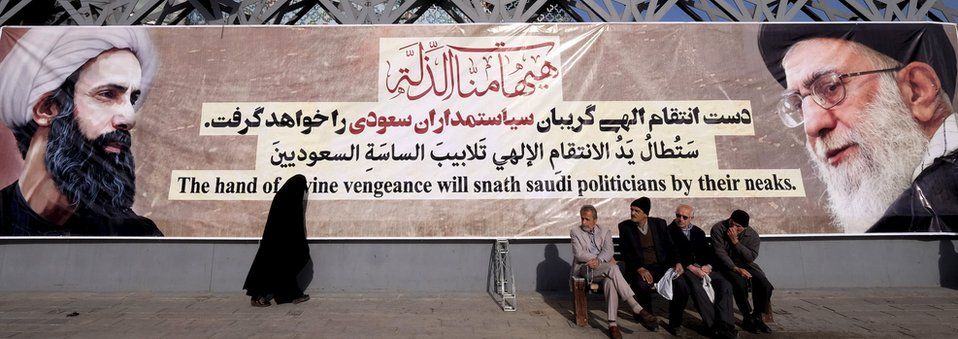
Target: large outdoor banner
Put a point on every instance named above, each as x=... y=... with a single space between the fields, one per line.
x=477 y=130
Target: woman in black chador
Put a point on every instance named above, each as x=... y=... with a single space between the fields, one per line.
x=283 y=252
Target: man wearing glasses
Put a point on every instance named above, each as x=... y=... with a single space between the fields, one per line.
x=695 y=253
x=736 y=248
x=875 y=102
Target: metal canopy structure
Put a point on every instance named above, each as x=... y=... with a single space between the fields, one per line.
x=312 y=12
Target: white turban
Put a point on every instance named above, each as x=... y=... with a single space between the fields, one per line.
x=44 y=57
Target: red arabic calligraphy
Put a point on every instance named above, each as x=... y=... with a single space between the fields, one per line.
x=445 y=71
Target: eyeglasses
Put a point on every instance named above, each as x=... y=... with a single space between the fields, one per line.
x=683 y=217
x=827 y=90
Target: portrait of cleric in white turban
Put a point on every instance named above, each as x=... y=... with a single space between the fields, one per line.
x=875 y=105
x=70 y=96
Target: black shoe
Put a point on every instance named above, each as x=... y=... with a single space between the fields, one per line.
x=302 y=299
x=724 y=333
x=675 y=330
x=647 y=319
x=259 y=302
x=760 y=325
x=749 y=325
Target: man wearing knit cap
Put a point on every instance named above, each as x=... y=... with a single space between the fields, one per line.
x=875 y=101
x=648 y=253
x=70 y=96
x=736 y=248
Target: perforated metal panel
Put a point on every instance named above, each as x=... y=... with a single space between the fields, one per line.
x=300 y=12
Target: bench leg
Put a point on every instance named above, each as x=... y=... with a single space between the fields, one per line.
x=581 y=303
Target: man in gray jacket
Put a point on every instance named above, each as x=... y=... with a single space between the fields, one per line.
x=736 y=247
x=592 y=252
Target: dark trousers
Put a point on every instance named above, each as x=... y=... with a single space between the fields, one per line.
x=643 y=293
x=717 y=314
x=761 y=291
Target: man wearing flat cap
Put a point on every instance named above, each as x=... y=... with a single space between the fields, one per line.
x=70 y=96
x=648 y=253
x=875 y=101
x=736 y=248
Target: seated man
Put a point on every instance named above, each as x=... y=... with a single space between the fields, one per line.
x=648 y=253
x=592 y=253
x=696 y=255
x=736 y=247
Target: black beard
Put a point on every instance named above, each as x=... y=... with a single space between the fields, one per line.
x=91 y=178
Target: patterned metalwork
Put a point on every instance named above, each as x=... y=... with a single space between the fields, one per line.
x=313 y=15
x=554 y=12
x=311 y=12
x=433 y=15
x=9 y=8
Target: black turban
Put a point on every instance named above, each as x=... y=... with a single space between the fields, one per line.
x=904 y=42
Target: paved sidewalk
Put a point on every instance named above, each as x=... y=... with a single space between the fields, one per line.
x=924 y=312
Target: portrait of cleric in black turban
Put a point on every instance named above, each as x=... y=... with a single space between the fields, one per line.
x=70 y=96
x=875 y=105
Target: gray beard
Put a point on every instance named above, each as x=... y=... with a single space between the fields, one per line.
x=891 y=144
x=92 y=179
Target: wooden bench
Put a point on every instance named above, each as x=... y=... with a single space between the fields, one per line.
x=580 y=290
